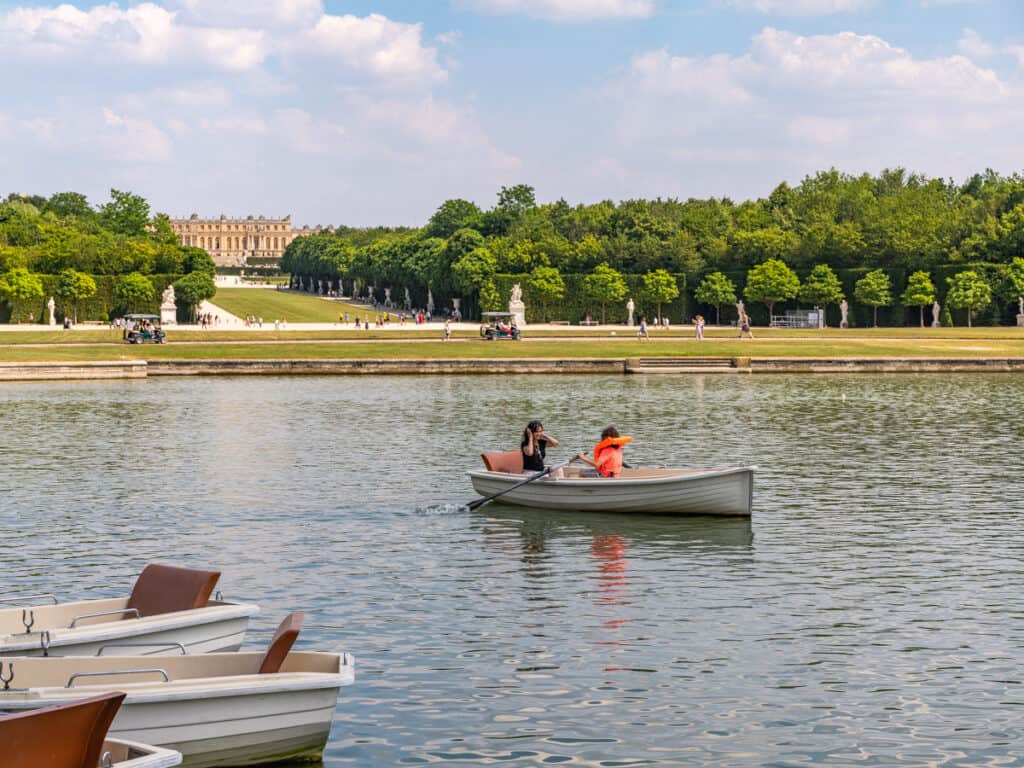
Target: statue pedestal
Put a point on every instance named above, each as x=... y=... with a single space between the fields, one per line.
x=518 y=310
x=844 y=324
x=1020 y=321
x=168 y=314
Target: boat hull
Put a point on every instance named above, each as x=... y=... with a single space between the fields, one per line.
x=675 y=492
x=129 y=754
x=217 y=628
x=234 y=718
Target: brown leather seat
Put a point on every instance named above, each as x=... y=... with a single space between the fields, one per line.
x=503 y=461
x=65 y=736
x=283 y=641
x=167 y=588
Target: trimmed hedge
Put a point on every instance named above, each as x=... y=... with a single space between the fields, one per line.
x=101 y=306
x=1002 y=310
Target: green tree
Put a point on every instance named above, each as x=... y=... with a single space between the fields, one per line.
x=547 y=286
x=603 y=286
x=133 y=290
x=490 y=300
x=473 y=271
x=875 y=290
x=64 y=204
x=920 y=293
x=198 y=260
x=716 y=289
x=163 y=232
x=771 y=281
x=452 y=216
x=968 y=290
x=192 y=289
x=660 y=287
x=18 y=287
x=74 y=287
x=822 y=287
x=125 y=214
x=1015 y=278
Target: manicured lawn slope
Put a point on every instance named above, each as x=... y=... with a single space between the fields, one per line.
x=282 y=305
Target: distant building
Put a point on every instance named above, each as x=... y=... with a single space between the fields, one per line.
x=232 y=242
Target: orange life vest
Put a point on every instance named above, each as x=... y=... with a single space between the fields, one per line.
x=613 y=465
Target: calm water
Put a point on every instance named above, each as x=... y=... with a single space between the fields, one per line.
x=872 y=613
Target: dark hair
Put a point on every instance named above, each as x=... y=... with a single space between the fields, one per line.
x=609 y=432
x=533 y=426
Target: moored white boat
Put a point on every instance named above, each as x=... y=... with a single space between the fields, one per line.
x=215 y=709
x=131 y=754
x=73 y=735
x=168 y=612
x=726 y=491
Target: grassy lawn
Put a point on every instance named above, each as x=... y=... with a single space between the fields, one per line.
x=273 y=305
x=433 y=331
x=409 y=349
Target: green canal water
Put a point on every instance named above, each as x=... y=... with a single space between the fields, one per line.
x=871 y=613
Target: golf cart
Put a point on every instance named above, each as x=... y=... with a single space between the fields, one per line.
x=499 y=325
x=143 y=329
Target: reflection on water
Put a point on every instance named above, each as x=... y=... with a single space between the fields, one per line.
x=870 y=613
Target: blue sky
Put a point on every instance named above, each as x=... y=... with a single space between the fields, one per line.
x=360 y=112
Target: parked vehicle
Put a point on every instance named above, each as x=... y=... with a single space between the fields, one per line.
x=499 y=325
x=143 y=329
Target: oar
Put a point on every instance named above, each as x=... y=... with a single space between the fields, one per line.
x=477 y=503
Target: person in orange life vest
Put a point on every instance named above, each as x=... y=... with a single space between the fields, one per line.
x=607 y=461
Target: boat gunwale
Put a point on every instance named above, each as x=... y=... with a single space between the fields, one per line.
x=148 y=755
x=587 y=482
x=128 y=628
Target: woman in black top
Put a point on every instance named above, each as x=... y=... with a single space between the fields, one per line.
x=534 y=445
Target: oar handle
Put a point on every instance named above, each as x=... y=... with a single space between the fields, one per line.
x=477 y=503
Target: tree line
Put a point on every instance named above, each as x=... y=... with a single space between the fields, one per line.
x=897 y=224
x=95 y=261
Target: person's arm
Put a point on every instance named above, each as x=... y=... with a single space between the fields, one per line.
x=552 y=442
x=586 y=460
x=528 y=449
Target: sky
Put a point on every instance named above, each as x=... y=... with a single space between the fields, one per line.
x=373 y=112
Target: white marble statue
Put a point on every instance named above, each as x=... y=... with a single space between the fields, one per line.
x=936 y=309
x=430 y=302
x=630 y=307
x=516 y=307
x=408 y=299
x=50 y=306
x=168 y=309
x=844 y=310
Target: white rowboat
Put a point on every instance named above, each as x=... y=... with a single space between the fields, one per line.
x=228 y=709
x=130 y=754
x=73 y=735
x=168 y=612
x=727 y=491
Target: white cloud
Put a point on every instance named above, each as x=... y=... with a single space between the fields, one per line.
x=566 y=10
x=250 y=13
x=793 y=104
x=132 y=139
x=218 y=35
x=803 y=7
x=972 y=45
x=374 y=44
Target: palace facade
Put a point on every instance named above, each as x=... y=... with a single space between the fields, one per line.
x=232 y=242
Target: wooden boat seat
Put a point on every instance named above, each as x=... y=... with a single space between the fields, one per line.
x=65 y=736
x=167 y=588
x=503 y=461
x=284 y=639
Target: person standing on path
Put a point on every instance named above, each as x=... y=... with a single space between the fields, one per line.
x=745 y=326
x=447 y=329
